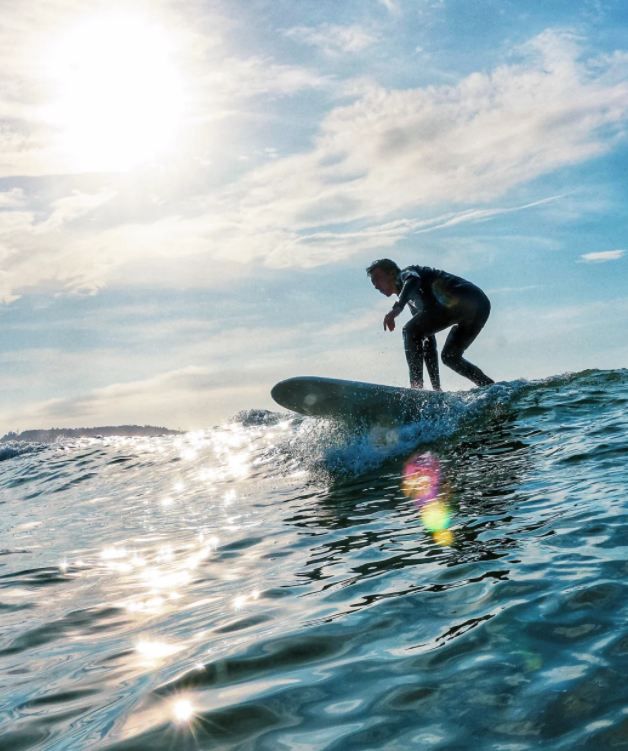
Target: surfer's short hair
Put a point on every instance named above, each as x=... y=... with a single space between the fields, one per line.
x=385 y=264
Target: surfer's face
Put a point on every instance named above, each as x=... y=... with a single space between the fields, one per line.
x=384 y=281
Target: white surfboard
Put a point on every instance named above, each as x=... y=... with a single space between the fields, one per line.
x=353 y=400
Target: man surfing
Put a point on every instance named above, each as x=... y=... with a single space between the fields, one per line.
x=437 y=301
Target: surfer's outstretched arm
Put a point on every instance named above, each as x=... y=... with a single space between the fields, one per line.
x=411 y=289
x=389 y=319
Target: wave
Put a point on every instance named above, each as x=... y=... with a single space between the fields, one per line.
x=318 y=444
x=11 y=449
x=315 y=444
x=212 y=576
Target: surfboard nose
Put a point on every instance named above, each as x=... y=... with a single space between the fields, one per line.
x=298 y=394
x=279 y=391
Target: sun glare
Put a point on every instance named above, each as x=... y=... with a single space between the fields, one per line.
x=183 y=710
x=117 y=95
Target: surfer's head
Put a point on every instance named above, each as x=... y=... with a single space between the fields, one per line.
x=384 y=274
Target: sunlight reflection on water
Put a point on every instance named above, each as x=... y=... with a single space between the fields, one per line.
x=321 y=588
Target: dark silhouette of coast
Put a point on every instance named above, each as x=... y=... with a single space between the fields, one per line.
x=53 y=434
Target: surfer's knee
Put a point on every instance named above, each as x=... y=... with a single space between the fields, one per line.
x=413 y=332
x=451 y=357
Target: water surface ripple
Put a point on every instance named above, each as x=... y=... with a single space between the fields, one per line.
x=282 y=583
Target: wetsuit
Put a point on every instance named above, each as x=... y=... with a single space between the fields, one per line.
x=427 y=351
x=438 y=300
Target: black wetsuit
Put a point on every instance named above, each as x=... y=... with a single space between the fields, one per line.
x=427 y=351
x=438 y=300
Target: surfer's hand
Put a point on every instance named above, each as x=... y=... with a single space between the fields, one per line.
x=389 y=321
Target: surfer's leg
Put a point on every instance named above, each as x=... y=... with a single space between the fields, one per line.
x=460 y=337
x=413 y=345
x=430 y=353
x=452 y=357
x=420 y=326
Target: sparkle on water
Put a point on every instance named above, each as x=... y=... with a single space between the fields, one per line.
x=183 y=710
x=305 y=586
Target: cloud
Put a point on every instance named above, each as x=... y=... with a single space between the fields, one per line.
x=51 y=251
x=392 y=6
x=12 y=199
x=352 y=323
x=71 y=246
x=226 y=85
x=176 y=398
x=316 y=248
x=560 y=323
x=398 y=152
x=333 y=39
x=388 y=164
x=514 y=290
x=25 y=35
x=510 y=350
x=602 y=256
x=75 y=206
x=193 y=397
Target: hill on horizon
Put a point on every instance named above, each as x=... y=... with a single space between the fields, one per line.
x=50 y=435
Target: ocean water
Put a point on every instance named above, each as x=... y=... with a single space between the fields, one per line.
x=283 y=583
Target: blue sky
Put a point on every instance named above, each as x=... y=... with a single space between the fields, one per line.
x=190 y=193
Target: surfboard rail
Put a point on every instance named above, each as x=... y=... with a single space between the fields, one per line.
x=340 y=399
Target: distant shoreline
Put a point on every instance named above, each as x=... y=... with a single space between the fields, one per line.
x=50 y=435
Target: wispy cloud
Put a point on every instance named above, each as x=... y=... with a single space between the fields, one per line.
x=602 y=256
x=316 y=248
x=237 y=79
x=334 y=39
x=12 y=199
x=514 y=290
x=176 y=398
x=195 y=396
x=395 y=152
x=392 y=6
x=73 y=207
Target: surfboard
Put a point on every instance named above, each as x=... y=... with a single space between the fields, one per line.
x=338 y=399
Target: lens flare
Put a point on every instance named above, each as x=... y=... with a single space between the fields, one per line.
x=423 y=482
x=435 y=516
x=421 y=478
x=444 y=537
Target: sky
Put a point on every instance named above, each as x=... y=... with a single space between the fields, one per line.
x=190 y=194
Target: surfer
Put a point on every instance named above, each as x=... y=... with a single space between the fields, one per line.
x=437 y=301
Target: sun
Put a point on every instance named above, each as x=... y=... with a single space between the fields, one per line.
x=117 y=97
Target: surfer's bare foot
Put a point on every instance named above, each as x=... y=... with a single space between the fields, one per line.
x=416 y=384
